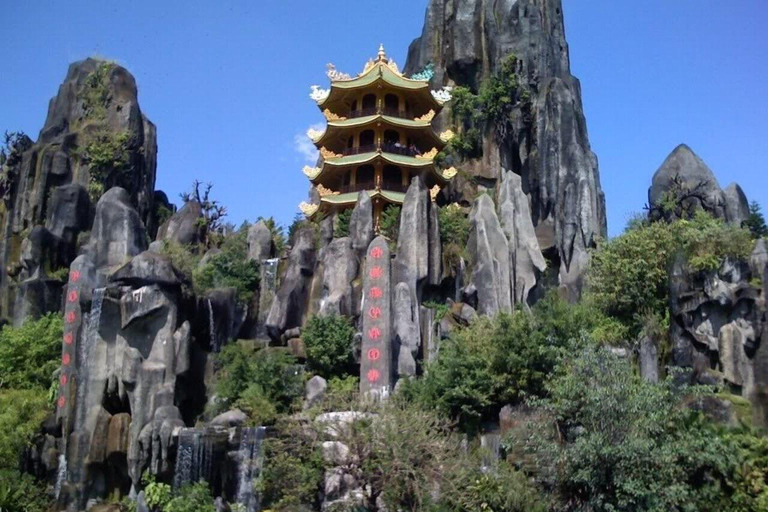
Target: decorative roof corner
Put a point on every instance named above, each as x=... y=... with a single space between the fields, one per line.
x=447 y=136
x=429 y=155
x=434 y=191
x=450 y=173
x=330 y=116
x=443 y=95
x=308 y=209
x=311 y=172
x=315 y=135
x=325 y=192
x=319 y=94
x=426 y=74
x=328 y=154
x=429 y=116
x=335 y=75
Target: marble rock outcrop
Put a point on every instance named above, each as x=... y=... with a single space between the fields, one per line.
x=717 y=324
x=684 y=184
x=546 y=142
x=47 y=183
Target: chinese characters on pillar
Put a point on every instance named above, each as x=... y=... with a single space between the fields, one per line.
x=376 y=366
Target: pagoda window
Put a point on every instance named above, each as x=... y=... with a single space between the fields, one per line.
x=391 y=137
x=350 y=142
x=391 y=105
x=392 y=178
x=365 y=177
x=367 y=138
x=369 y=104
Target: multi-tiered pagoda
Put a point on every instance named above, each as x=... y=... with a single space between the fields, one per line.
x=379 y=136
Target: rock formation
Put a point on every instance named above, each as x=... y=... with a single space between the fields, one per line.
x=47 y=183
x=467 y=42
x=260 y=244
x=684 y=184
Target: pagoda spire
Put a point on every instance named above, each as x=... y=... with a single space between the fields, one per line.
x=382 y=53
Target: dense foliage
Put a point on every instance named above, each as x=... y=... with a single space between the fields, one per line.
x=615 y=442
x=341 y=227
x=230 y=268
x=756 y=221
x=160 y=497
x=328 y=341
x=504 y=360
x=108 y=160
x=389 y=223
x=30 y=354
x=21 y=493
x=454 y=233
x=628 y=277
x=262 y=382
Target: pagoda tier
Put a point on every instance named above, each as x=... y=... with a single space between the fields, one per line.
x=379 y=137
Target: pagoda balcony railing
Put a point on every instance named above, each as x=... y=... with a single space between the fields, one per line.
x=387 y=147
x=387 y=111
x=370 y=185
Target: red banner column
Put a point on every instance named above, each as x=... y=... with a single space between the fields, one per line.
x=376 y=361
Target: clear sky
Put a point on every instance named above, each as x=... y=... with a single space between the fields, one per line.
x=227 y=83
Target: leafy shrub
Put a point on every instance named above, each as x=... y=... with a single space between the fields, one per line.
x=194 y=497
x=20 y=492
x=341 y=229
x=184 y=258
x=507 y=359
x=30 y=354
x=628 y=277
x=22 y=411
x=505 y=489
x=626 y=444
x=328 y=341
x=230 y=268
x=156 y=494
x=108 y=161
x=259 y=380
x=454 y=233
x=95 y=92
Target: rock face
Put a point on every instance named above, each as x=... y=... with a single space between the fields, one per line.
x=340 y=266
x=290 y=304
x=489 y=255
x=717 y=330
x=260 y=244
x=685 y=176
x=183 y=227
x=47 y=180
x=361 y=224
x=525 y=258
x=126 y=344
x=548 y=147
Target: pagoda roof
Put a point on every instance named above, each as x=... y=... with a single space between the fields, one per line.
x=392 y=158
x=335 y=126
x=381 y=70
x=351 y=197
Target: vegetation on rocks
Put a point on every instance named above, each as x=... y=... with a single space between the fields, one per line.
x=262 y=382
x=229 y=268
x=389 y=223
x=341 y=226
x=628 y=278
x=756 y=221
x=454 y=233
x=328 y=341
x=107 y=157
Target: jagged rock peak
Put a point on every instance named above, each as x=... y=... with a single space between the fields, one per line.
x=685 y=174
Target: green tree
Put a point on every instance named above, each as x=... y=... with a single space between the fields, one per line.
x=230 y=268
x=341 y=229
x=756 y=221
x=624 y=444
x=262 y=382
x=22 y=411
x=30 y=354
x=328 y=341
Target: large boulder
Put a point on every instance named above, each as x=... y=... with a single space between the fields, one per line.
x=147 y=268
x=184 y=226
x=117 y=232
x=525 y=257
x=407 y=338
x=489 y=258
x=291 y=301
x=736 y=204
x=340 y=267
x=260 y=244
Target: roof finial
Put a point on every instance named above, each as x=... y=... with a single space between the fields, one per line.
x=382 y=53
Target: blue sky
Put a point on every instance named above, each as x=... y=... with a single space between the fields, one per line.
x=227 y=83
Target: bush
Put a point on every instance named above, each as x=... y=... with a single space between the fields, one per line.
x=194 y=497
x=505 y=490
x=624 y=444
x=95 y=93
x=505 y=360
x=230 y=268
x=30 y=354
x=22 y=411
x=20 y=492
x=628 y=277
x=260 y=381
x=454 y=233
x=184 y=258
x=108 y=161
x=328 y=341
